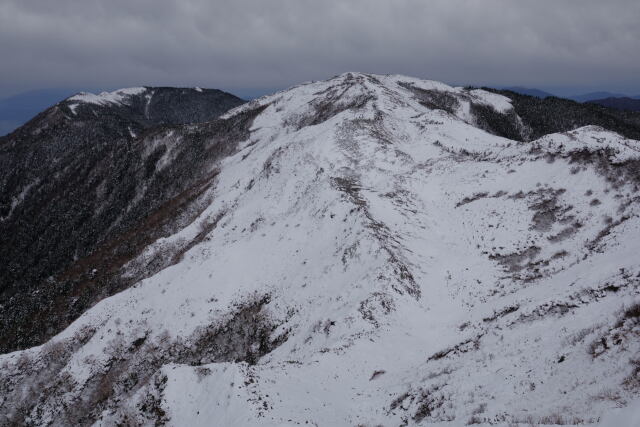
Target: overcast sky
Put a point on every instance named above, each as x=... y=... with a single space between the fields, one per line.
x=258 y=45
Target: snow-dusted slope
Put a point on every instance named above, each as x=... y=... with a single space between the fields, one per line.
x=105 y=98
x=371 y=257
x=84 y=187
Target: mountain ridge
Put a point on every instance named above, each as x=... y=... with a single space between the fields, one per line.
x=529 y=91
x=585 y=97
x=75 y=180
x=624 y=103
x=371 y=250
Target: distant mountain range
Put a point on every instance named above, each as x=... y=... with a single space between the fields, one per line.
x=606 y=99
x=586 y=97
x=592 y=96
x=624 y=103
x=529 y=91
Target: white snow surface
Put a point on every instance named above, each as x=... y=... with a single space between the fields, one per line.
x=104 y=98
x=621 y=417
x=422 y=270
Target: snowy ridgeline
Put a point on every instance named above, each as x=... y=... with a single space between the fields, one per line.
x=103 y=98
x=371 y=257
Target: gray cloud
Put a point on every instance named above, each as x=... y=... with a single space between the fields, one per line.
x=245 y=44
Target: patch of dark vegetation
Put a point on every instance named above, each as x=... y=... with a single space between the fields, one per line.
x=406 y=283
x=463 y=347
x=332 y=102
x=475 y=415
x=596 y=242
x=498 y=314
x=616 y=173
x=506 y=124
x=585 y=296
x=351 y=187
x=560 y=254
x=469 y=199
x=624 y=331
x=373 y=128
x=440 y=372
x=547 y=209
x=349 y=253
x=398 y=401
x=44 y=372
x=553 y=419
x=632 y=381
x=632 y=313
x=94 y=209
x=430 y=402
x=150 y=407
x=565 y=233
x=377 y=305
x=434 y=99
x=514 y=262
x=270 y=165
x=376 y=374
x=244 y=336
x=553 y=308
x=325 y=109
x=551 y=115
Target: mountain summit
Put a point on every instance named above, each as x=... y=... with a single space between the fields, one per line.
x=366 y=250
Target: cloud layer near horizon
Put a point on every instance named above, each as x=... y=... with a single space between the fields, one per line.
x=276 y=43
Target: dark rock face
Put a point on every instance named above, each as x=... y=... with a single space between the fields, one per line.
x=85 y=187
x=550 y=115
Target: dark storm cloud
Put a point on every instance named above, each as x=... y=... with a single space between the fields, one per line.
x=276 y=43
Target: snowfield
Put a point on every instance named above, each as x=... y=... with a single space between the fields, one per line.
x=115 y=97
x=369 y=259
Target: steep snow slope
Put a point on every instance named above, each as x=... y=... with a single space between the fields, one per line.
x=370 y=257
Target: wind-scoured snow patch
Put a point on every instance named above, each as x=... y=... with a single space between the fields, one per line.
x=104 y=98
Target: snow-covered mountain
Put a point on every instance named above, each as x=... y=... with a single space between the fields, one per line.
x=85 y=186
x=371 y=252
